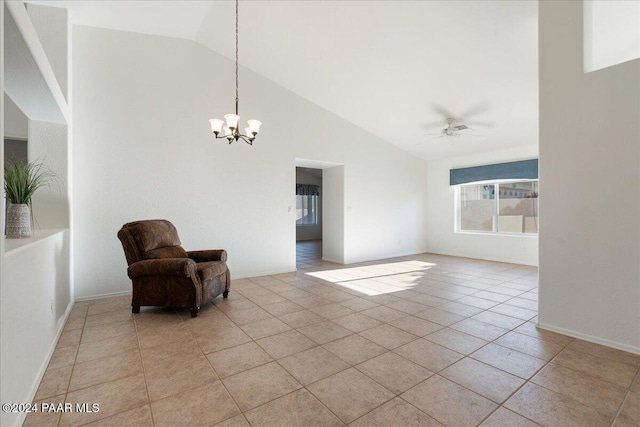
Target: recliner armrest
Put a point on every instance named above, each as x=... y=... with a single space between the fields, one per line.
x=208 y=255
x=182 y=267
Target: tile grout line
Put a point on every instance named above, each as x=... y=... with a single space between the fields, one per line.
x=276 y=361
x=527 y=381
x=74 y=361
x=464 y=356
x=144 y=371
x=386 y=303
x=388 y=350
x=305 y=387
x=626 y=395
x=73 y=367
x=116 y=379
x=241 y=412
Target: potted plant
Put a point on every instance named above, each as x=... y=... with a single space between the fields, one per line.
x=21 y=181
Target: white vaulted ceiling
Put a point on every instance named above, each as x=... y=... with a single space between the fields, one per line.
x=394 y=68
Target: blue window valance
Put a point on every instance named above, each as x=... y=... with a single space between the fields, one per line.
x=307 y=190
x=524 y=169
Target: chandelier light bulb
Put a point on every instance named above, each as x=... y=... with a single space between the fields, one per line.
x=254 y=125
x=216 y=125
x=232 y=120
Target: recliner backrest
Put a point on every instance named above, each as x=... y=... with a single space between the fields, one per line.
x=150 y=239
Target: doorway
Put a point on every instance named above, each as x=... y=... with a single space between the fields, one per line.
x=331 y=213
x=308 y=216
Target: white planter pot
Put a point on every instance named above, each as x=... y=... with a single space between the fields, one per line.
x=18 y=221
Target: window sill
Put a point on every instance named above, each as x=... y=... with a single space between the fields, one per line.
x=481 y=233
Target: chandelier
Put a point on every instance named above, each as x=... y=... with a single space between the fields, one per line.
x=231 y=131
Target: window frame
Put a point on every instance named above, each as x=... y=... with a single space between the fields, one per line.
x=496 y=182
x=316 y=203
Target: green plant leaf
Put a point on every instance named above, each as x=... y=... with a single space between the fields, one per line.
x=22 y=180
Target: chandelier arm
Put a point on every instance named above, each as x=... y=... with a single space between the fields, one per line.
x=245 y=139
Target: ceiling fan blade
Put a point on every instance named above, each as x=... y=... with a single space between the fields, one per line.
x=439 y=124
x=480 y=123
x=460 y=127
x=472 y=136
x=442 y=111
x=479 y=108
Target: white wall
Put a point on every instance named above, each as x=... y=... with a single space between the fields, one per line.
x=441 y=214
x=52 y=25
x=16 y=124
x=48 y=144
x=36 y=297
x=310 y=232
x=36 y=291
x=611 y=32
x=143 y=149
x=333 y=233
x=590 y=187
x=2 y=211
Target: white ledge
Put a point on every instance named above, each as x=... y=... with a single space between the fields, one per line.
x=12 y=246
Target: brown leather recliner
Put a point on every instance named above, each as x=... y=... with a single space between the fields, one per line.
x=164 y=274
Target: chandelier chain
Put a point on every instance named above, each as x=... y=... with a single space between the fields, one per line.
x=237 y=99
x=231 y=132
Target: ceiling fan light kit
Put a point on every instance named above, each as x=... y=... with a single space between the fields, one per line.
x=231 y=131
x=453 y=131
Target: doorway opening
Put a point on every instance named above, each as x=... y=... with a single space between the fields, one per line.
x=328 y=234
x=308 y=216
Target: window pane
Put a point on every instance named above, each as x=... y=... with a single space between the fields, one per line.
x=306 y=210
x=518 y=207
x=477 y=207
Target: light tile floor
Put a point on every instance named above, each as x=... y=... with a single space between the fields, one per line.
x=422 y=340
x=308 y=251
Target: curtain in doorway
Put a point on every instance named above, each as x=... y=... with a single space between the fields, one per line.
x=307 y=190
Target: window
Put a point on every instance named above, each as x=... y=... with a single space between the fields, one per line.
x=306 y=210
x=498 y=207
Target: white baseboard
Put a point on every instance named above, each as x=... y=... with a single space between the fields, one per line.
x=111 y=294
x=386 y=257
x=483 y=258
x=233 y=277
x=590 y=338
x=265 y=273
x=43 y=368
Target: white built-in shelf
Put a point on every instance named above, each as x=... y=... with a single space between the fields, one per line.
x=12 y=246
x=29 y=79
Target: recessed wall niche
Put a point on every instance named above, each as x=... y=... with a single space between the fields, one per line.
x=16 y=129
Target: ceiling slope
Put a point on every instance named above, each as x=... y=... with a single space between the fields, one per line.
x=394 y=68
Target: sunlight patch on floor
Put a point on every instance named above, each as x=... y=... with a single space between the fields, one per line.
x=377 y=279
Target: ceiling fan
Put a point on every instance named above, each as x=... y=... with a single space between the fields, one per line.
x=454 y=131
